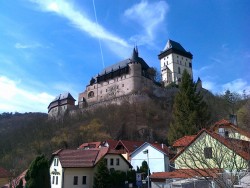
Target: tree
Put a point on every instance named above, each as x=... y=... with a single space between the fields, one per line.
x=190 y=112
x=38 y=175
x=212 y=155
x=102 y=175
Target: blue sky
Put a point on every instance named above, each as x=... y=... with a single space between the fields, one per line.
x=49 y=47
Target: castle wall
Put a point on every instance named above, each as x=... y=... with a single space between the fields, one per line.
x=115 y=87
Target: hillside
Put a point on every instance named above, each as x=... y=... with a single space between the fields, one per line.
x=23 y=136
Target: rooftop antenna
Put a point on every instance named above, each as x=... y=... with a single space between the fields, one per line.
x=100 y=45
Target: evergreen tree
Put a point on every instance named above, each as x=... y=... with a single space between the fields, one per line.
x=38 y=175
x=102 y=175
x=190 y=112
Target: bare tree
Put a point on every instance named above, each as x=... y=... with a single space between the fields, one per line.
x=211 y=152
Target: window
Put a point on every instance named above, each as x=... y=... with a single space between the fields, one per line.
x=208 y=152
x=179 y=70
x=190 y=65
x=111 y=162
x=84 y=180
x=117 y=161
x=53 y=179
x=56 y=180
x=75 y=180
x=122 y=85
x=91 y=94
x=55 y=162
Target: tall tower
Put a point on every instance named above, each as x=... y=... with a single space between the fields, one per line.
x=174 y=60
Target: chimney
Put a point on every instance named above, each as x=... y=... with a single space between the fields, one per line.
x=233 y=119
x=162 y=145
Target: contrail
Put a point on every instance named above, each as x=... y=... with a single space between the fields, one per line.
x=100 y=45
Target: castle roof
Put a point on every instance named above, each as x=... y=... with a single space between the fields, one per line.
x=134 y=58
x=63 y=96
x=61 y=99
x=174 y=47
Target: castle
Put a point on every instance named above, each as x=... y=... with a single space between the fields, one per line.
x=132 y=75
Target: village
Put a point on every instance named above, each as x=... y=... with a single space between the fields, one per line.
x=217 y=156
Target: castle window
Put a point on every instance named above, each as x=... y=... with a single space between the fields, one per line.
x=179 y=70
x=117 y=87
x=106 y=90
x=190 y=65
x=91 y=94
x=122 y=85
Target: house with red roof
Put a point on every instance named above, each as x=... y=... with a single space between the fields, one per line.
x=209 y=150
x=156 y=155
x=182 y=142
x=227 y=129
x=76 y=168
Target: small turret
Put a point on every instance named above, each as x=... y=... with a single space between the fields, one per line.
x=135 y=54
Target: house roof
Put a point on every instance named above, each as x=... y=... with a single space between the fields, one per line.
x=184 y=141
x=225 y=123
x=80 y=158
x=227 y=142
x=4 y=173
x=185 y=173
x=130 y=146
x=90 y=145
x=160 y=147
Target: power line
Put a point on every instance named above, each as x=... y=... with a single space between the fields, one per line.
x=100 y=45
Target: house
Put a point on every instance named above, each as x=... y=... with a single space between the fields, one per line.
x=229 y=130
x=182 y=142
x=156 y=155
x=76 y=168
x=60 y=105
x=124 y=147
x=184 y=178
x=209 y=150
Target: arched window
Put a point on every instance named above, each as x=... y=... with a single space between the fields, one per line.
x=91 y=94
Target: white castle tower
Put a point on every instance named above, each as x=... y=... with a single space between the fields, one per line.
x=174 y=59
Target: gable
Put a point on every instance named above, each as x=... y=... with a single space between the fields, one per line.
x=209 y=152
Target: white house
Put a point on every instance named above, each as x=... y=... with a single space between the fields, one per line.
x=156 y=155
x=76 y=168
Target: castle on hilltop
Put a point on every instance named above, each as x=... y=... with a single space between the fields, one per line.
x=132 y=75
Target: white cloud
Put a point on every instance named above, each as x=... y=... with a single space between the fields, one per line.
x=24 y=46
x=78 y=19
x=237 y=85
x=13 y=98
x=148 y=15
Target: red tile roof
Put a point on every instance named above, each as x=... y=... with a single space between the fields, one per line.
x=225 y=123
x=162 y=147
x=238 y=149
x=90 y=145
x=184 y=141
x=129 y=146
x=4 y=173
x=185 y=173
x=80 y=158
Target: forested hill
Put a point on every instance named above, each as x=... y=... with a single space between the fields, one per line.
x=23 y=136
